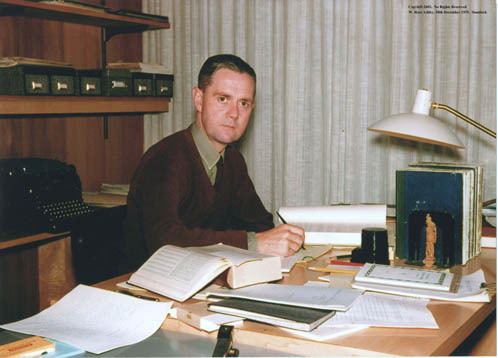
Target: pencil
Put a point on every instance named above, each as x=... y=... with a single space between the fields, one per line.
x=332 y=270
x=285 y=222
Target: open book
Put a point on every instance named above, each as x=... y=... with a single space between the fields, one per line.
x=179 y=273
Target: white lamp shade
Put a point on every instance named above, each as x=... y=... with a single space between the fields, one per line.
x=417 y=127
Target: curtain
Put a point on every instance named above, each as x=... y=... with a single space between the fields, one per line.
x=326 y=71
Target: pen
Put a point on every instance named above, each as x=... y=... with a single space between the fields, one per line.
x=285 y=222
x=149 y=298
x=332 y=270
x=345 y=263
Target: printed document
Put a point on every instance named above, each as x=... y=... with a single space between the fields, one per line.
x=96 y=320
x=318 y=297
x=381 y=310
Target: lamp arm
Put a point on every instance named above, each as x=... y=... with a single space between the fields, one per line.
x=464 y=117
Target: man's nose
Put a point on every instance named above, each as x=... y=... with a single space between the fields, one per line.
x=233 y=110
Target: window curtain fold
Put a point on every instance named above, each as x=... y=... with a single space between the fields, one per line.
x=326 y=71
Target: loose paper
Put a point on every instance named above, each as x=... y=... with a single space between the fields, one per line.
x=335 y=224
x=95 y=320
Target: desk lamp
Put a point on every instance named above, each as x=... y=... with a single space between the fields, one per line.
x=420 y=126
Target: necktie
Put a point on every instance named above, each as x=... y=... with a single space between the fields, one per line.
x=219 y=174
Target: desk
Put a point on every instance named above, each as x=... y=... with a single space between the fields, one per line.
x=456 y=321
x=34 y=270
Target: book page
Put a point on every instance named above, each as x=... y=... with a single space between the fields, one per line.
x=381 y=310
x=178 y=272
x=235 y=255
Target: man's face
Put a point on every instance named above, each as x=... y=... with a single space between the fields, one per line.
x=224 y=107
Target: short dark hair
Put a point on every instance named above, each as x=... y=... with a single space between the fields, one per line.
x=216 y=62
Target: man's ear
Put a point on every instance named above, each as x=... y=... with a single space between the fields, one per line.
x=197 y=98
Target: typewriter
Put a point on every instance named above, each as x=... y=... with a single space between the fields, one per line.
x=40 y=195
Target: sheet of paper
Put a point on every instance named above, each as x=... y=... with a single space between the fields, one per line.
x=381 y=310
x=235 y=255
x=335 y=224
x=309 y=253
x=95 y=320
x=335 y=218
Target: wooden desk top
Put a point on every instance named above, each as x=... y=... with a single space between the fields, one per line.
x=456 y=321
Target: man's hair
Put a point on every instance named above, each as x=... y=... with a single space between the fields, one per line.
x=214 y=63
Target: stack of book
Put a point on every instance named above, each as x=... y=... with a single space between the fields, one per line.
x=451 y=193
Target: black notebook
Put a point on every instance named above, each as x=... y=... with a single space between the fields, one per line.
x=300 y=318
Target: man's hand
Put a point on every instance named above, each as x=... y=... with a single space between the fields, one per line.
x=283 y=240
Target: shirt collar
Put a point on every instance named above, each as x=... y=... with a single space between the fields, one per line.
x=209 y=155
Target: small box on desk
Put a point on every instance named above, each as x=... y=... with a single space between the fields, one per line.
x=117 y=83
x=21 y=80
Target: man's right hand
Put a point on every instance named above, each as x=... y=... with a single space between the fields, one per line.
x=283 y=240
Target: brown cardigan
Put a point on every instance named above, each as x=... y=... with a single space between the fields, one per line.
x=172 y=201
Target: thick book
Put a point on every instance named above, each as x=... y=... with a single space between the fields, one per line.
x=179 y=273
x=447 y=196
x=402 y=276
x=328 y=298
x=295 y=317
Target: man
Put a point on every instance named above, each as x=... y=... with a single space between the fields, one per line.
x=182 y=195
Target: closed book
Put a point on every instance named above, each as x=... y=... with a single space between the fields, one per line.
x=402 y=276
x=295 y=317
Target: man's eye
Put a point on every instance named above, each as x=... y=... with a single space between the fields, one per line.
x=222 y=99
x=244 y=103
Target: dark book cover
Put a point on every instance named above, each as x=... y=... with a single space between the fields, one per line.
x=296 y=317
x=440 y=194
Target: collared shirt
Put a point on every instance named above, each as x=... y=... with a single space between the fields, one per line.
x=210 y=157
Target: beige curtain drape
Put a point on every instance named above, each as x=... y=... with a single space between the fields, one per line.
x=326 y=71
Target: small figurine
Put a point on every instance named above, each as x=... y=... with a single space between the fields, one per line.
x=430 y=241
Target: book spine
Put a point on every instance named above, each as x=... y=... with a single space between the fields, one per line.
x=401 y=219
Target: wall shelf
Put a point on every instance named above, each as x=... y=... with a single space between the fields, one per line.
x=113 y=23
x=88 y=105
